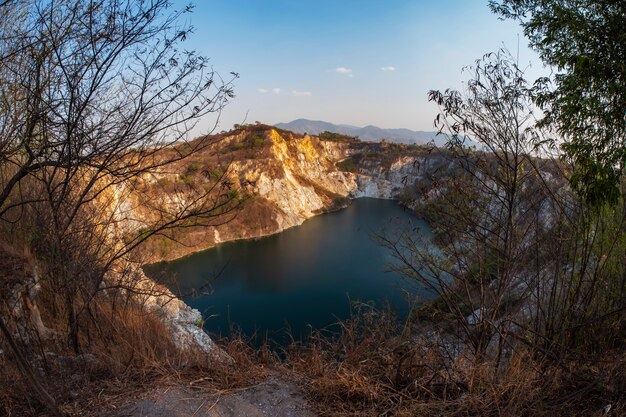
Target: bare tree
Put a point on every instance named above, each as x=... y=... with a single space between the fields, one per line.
x=95 y=96
x=483 y=219
x=521 y=260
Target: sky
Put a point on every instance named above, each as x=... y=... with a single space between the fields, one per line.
x=357 y=62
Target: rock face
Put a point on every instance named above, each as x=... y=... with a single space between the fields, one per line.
x=184 y=323
x=379 y=182
x=299 y=180
x=285 y=179
x=20 y=284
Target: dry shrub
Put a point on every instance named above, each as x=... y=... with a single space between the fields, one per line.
x=129 y=337
x=369 y=369
x=248 y=367
x=14 y=394
x=117 y=330
x=124 y=347
x=125 y=350
x=157 y=367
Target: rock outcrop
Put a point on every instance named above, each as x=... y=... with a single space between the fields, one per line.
x=184 y=323
x=20 y=285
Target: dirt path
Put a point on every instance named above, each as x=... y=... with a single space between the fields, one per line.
x=273 y=397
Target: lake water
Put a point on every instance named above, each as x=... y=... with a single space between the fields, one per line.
x=301 y=279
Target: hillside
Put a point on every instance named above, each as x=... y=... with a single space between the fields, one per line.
x=280 y=179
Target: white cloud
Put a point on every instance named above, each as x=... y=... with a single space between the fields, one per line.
x=274 y=90
x=389 y=68
x=344 y=71
x=301 y=93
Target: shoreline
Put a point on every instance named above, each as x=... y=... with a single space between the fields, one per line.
x=255 y=238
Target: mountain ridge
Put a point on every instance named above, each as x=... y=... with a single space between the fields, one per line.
x=369 y=133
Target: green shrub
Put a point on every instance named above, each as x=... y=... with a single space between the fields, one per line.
x=193 y=168
x=336 y=137
x=257 y=141
x=348 y=165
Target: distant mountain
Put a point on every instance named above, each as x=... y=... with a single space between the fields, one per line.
x=367 y=133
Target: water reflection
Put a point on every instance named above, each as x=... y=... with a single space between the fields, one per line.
x=303 y=276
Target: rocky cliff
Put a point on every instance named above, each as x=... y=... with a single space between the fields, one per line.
x=261 y=180
x=280 y=179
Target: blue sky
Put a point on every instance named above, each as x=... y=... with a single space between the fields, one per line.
x=355 y=62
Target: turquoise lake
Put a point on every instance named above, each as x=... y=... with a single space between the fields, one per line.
x=302 y=279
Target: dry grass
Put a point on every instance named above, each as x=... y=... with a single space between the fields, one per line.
x=372 y=367
x=126 y=351
x=371 y=370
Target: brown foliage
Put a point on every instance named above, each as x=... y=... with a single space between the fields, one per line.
x=372 y=369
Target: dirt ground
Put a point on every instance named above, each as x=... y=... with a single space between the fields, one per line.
x=273 y=397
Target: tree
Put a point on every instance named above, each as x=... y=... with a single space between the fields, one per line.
x=484 y=213
x=523 y=266
x=585 y=41
x=95 y=96
x=102 y=85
